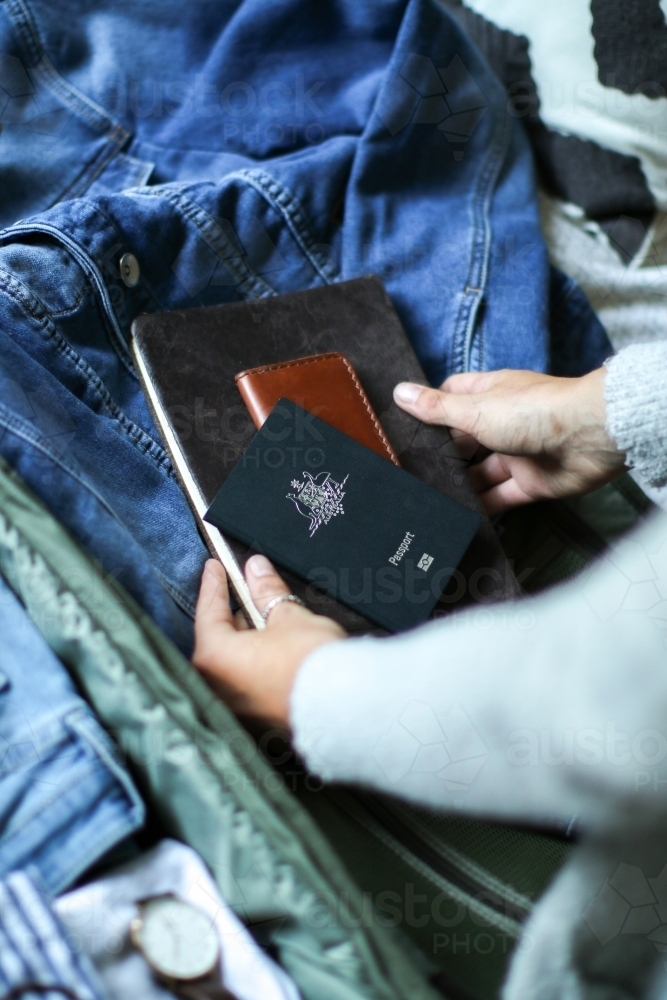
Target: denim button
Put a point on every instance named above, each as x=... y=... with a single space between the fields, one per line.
x=129 y=269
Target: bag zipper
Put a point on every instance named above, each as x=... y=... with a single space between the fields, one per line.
x=486 y=897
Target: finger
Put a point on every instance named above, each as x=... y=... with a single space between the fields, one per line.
x=213 y=616
x=492 y=471
x=436 y=407
x=503 y=497
x=213 y=601
x=265 y=584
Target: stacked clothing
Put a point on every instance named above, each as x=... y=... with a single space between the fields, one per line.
x=161 y=157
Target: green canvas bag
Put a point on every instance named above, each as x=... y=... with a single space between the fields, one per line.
x=358 y=895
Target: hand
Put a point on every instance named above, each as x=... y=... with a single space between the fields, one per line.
x=254 y=669
x=546 y=435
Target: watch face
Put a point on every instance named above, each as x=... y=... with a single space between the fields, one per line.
x=178 y=940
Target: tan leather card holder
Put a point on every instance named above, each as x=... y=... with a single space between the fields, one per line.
x=323 y=384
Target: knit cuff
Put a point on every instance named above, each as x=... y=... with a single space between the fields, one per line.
x=636 y=397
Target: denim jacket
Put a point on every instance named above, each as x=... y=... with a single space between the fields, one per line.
x=164 y=156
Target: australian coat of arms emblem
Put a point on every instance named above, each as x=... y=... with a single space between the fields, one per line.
x=319 y=499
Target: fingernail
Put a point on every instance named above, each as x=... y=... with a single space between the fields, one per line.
x=407 y=392
x=259 y=566
x=212 y=568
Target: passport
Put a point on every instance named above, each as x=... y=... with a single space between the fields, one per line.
x=343 y=518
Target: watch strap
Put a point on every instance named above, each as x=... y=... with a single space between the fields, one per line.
x=204 y=989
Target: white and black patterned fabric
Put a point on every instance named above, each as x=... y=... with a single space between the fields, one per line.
x=589 y=80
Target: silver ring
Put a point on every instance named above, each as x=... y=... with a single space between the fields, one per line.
x=278 y=600
x=275 y=601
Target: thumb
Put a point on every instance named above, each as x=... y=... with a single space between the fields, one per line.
x=433 y=406
x=213 y=616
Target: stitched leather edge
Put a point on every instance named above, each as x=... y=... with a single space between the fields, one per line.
x=316 y=359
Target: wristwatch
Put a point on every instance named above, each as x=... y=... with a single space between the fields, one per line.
x=180 y=943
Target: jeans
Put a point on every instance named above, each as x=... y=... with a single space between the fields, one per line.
x=65 y=800
x=239 y=151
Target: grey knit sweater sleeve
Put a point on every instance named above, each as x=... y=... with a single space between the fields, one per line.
x=456 y=714
x=636 y=398
x=537 y=710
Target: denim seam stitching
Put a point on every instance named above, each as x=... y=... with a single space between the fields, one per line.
x=47 y=735
x=58 y=313
x=78 y=102
x=289 y=206
x=23 y=428
x=478 y=266
x=283 y=201
x=80 y=740
x=136 y=434
x=184 y=602
x=115 y=831
x=139 y=438
x=26 y=28
x=481 y=242
x=215 y=239
x=89 y=267
x=482 y=204
x=80 y=251
x=87 y=728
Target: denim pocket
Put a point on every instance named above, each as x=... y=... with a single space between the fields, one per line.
x=48 y=270
x=65 y=799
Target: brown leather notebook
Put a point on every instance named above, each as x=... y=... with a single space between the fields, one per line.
x=324 y=384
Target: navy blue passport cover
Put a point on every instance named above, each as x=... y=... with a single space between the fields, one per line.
x=344 y=518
